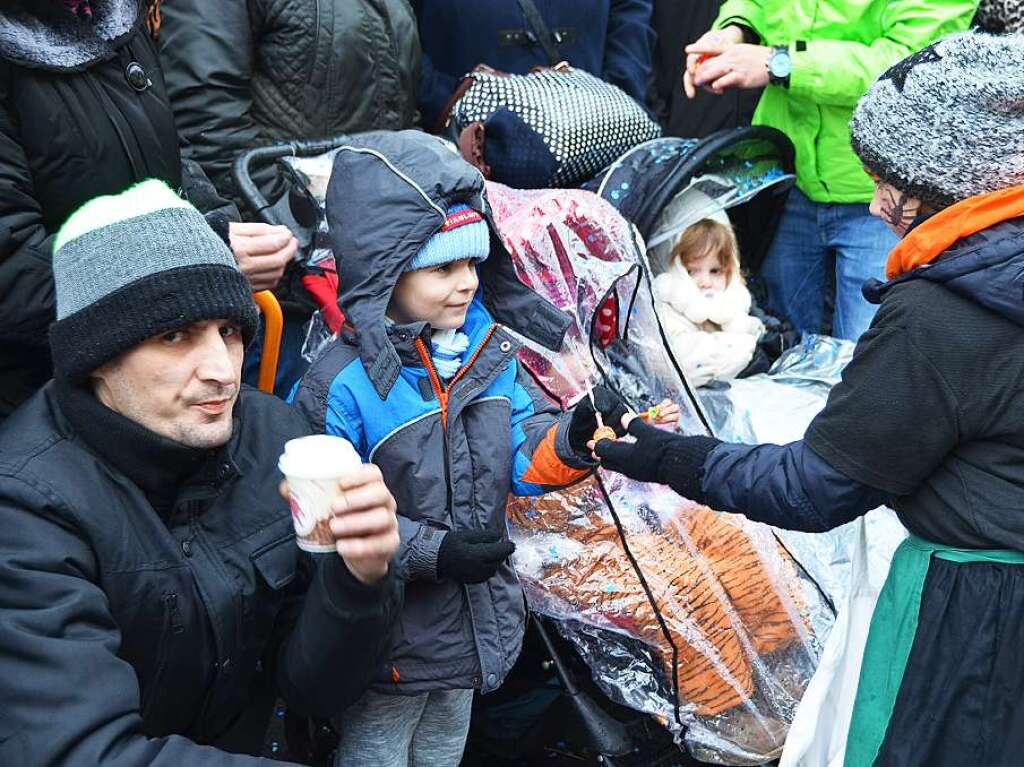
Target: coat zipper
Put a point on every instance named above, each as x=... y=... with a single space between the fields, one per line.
x=171 y=625
x=441 y=392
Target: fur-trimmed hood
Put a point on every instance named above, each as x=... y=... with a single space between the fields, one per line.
x=34 y=34
x=676 y=289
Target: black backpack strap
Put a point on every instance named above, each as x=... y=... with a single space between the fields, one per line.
x=536 y=23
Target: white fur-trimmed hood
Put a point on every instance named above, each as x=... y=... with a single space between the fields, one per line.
x=677 y=289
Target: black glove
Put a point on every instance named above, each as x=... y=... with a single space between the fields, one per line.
x=584 y=423
x=659 y=456
x=472 y=556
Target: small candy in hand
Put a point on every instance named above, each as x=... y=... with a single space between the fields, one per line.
x=604 y=432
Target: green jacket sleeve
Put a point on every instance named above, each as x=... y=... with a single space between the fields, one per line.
x=747 y=13
x=839 y=72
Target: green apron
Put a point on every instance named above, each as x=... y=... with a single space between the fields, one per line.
x=891 y=636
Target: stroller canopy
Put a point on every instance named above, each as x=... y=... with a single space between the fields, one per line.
x=731 y=167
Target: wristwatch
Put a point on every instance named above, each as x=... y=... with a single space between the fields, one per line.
x=780 y=66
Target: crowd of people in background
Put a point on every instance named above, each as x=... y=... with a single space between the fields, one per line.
x=155 y=603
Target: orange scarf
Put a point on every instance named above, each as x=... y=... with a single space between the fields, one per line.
x=933 y=237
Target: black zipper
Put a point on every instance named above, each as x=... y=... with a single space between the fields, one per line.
x=447 y=477
x=441 y=392
x=171 y=626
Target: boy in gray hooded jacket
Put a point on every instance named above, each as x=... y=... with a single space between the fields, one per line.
x=426 y=385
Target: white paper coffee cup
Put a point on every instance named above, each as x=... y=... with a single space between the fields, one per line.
x=313 y=465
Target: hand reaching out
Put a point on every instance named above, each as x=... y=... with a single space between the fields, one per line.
x=665 y=413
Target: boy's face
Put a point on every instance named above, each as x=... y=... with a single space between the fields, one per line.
x=439 y=295
x=709 y=274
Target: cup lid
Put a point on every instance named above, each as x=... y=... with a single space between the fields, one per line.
x=318 y=456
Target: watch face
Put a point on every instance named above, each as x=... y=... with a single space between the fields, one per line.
x=780 y=64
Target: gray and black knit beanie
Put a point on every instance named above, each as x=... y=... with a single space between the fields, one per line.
x=947 y=123
x=130 y=266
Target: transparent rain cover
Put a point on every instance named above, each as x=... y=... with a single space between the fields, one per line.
x=656 y=593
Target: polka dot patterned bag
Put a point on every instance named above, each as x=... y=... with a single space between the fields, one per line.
x=553 y=127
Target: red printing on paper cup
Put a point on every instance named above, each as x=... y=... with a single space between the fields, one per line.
x=304 y=523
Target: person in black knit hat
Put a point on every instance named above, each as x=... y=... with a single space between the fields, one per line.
x=154 y=600
x=928 y=417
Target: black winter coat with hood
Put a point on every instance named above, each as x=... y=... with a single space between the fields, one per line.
x=83 y=113
x=153 y=599
x=451 y=452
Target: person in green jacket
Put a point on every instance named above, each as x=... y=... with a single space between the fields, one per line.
x=815 y=59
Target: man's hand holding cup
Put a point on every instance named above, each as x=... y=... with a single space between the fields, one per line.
x=364 y=525
x=340 y=504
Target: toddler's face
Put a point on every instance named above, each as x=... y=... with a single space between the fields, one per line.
x=708 y=273
x=439 y=295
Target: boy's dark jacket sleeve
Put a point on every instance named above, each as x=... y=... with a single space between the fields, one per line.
x=70 y=700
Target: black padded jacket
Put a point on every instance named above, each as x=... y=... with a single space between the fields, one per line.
x=136 y=632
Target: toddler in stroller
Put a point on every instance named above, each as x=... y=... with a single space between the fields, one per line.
x=703 y=301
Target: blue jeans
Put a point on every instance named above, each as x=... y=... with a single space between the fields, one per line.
x=795 y=269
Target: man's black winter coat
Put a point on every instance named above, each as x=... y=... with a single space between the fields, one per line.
x=128 y=636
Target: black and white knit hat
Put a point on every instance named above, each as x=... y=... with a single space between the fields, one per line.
x=947 y=123
x=129 y=266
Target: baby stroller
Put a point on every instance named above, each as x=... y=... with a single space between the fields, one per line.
x=703 y=622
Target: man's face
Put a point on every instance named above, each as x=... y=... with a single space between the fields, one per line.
x=440 y=295
x=182 y=384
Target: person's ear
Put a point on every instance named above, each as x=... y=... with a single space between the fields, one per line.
x=99 y=382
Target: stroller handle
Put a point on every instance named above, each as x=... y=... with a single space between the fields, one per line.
x=242 y=168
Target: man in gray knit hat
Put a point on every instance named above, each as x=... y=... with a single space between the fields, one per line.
x=928 y=418
x=154 y=600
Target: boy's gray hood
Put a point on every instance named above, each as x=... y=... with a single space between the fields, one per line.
x=388 y=195
x=44 y=35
